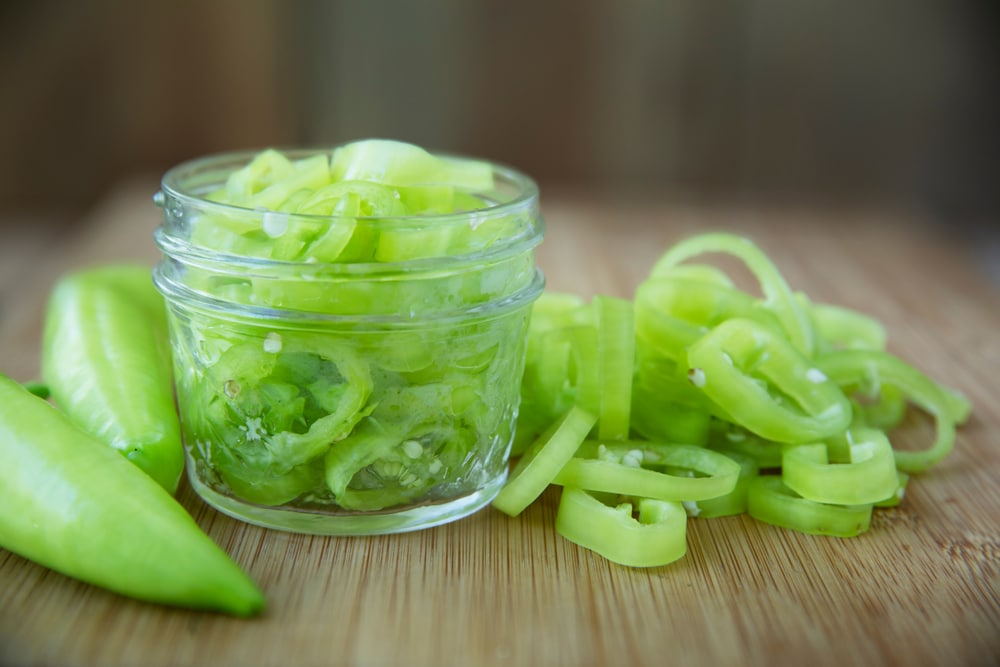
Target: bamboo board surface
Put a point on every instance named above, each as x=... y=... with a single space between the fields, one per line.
x=921 y=588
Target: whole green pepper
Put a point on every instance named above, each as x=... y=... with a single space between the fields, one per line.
x=106 y=361
x=74 y=505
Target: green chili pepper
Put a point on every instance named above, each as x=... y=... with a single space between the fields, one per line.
x=74 y=505
x=665 y=405
x=623 y=468
x=704 y=273
x=726 y=436
x=766 y=385
x=734 y=502
x=770 y=501
x=543 y=460
x=672 y=313
x=616 y=359
x=897 y=496
x=868 y=476
x=778 y=383
x=106 y=361
x=778 y=296
x=873 y=368
x=839 y=327
x=657 y=537
x=884 y=411
x=658 y=420
x=581 y=375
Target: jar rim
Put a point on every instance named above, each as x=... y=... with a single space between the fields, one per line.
x=172 y=184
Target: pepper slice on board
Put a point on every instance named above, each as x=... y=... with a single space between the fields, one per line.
x=657 y=537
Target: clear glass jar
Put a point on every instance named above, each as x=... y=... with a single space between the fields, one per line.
x=376 y=393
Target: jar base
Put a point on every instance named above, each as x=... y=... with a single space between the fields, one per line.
x=350 y=523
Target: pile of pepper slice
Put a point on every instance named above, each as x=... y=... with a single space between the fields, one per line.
x=701 y=399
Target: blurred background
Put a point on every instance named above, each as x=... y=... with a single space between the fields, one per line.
x=881 y=103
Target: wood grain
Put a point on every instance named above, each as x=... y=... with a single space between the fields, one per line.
x=921 y=588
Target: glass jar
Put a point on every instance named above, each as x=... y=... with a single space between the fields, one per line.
x=374 y=393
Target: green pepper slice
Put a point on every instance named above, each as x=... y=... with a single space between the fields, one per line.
x=624 y=468
x=658 y=537
x=897 y=495
x=853 y=368
x=839 y=327
x=868 y=477
x=543 y=460
x=766 y=385
x=673 y=313
x=770 y=501
x=734 y=502
x=777 y=294
x=616 y=359
x=726 y=436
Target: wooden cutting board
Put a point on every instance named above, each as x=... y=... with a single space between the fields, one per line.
x=921 y=588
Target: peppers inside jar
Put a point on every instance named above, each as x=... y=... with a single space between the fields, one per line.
x=349 y=331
